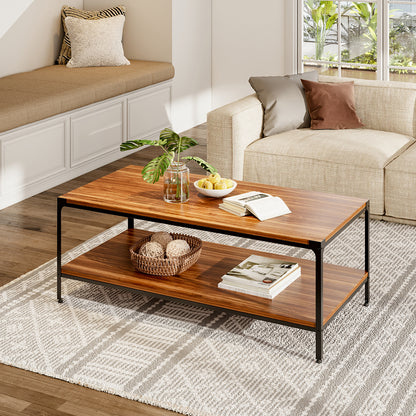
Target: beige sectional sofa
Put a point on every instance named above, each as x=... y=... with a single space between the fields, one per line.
x=377 y=162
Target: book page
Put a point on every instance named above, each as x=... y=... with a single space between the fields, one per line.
x=266 y=208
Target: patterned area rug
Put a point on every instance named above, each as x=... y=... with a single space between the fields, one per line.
x=203 y=362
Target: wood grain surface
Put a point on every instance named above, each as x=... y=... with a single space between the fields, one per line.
x=110 y=263
x=315 y=216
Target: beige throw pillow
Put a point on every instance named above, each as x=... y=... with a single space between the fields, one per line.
x=67 y=11
x=96 y=42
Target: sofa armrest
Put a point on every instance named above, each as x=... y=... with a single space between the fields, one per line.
x=231 y=129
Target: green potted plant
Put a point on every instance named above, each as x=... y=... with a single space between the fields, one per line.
x=170 y=163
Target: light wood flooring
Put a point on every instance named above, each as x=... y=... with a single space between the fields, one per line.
x=27 y=240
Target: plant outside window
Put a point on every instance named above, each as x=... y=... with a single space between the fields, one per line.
x=343 y=38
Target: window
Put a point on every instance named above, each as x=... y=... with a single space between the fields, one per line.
x=360 y=39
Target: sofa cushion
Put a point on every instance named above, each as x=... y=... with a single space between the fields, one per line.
x=400 y=178
x=331 y=106
x=96 y=42
x=31 y=96
x=346 y=162
x=67 y=11
x=283 y=101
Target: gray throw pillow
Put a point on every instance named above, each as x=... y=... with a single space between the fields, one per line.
x=283 y=101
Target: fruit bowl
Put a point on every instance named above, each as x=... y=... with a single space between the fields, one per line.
x=215 y=193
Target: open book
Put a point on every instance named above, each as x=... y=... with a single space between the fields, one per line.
x=260 y=204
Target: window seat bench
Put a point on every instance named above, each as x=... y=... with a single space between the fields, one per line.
x=57 y=123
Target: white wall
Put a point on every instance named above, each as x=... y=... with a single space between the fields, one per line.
x=10 y=13
x=191 y=56
x=248 y=39
x=148 y=27
x=31 y=33
x=177 y=31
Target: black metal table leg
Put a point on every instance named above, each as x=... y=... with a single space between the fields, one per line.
x=130 y=222
x=319 y=294
x=367 y=253
x=60 y=205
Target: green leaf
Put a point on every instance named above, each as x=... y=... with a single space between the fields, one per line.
x=135 y=144
x=316 y=16
x=157 y=167
x=201 y=162
x=331 y=21
x=168 y=134
x=170 y=138
x=175 y=143
x=185 y=143
x=373 y=34
x=328 y=7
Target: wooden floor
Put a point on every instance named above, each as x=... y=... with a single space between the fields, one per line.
x=28 y=239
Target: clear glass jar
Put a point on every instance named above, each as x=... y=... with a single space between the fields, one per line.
x=176 y=183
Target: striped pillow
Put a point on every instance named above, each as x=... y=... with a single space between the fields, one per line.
x=65 y=54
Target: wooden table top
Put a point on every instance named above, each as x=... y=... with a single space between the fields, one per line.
x=315 y=216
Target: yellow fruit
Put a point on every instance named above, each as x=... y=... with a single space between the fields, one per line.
x=214 y=177
x=201 y=182
x=229 y=183
x=208 y=185
x=220 y=185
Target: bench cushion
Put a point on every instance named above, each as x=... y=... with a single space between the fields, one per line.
x=346 y=162
x=31 y=96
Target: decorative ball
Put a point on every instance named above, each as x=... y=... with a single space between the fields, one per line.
x=152 y=249
x=161 y=237
x=177 y=248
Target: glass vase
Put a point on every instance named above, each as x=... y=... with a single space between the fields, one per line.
x=176 y=183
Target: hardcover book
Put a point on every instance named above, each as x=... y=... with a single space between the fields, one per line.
x=261 y=276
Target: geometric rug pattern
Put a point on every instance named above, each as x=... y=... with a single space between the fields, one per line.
x=202 y=362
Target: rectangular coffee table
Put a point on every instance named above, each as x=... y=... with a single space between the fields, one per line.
x=309 y=303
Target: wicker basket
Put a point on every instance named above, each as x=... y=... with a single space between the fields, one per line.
x=166 y=266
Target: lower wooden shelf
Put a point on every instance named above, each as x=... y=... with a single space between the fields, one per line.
x=110 y=263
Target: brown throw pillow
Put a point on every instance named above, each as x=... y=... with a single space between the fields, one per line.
x=65 y=53
x=331 y=105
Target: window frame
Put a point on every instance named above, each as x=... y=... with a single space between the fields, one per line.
x=383 y=62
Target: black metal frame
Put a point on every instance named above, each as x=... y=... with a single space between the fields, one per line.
x=316 y=247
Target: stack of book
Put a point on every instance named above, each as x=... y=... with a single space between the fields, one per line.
x=263 y=206
x=260 y=276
